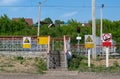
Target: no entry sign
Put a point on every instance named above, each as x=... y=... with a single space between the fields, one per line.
x=107 y=40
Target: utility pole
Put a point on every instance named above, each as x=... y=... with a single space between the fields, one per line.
x=94 y=28
x=101 y=29
x=38 y=33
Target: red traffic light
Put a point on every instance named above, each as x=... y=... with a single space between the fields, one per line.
x=78 y=29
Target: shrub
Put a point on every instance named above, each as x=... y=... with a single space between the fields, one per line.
x=19 y=58
x=116 y=64
x=41 y=65
x=76 y=62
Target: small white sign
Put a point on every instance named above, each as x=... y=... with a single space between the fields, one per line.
x=78 y=38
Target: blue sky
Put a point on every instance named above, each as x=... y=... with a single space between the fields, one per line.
x=65 y=10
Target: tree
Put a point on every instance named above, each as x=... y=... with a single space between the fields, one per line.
x=11 y=28
x=5 y=23
x=48 y=20
x=58 y=22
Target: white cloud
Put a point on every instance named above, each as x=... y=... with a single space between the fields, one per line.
x=8 y=2
x=70 y=14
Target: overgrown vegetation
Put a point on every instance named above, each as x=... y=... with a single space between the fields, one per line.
x=22 y=64
x=76 y=62
x=79 y=63
x=9 y=27
x=41 y=65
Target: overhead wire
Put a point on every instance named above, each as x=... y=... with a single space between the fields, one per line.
x=62 y=6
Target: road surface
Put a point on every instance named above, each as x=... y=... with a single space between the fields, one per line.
x=60 y=75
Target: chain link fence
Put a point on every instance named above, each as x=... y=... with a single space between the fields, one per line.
x=100 y=50
x=14 y=46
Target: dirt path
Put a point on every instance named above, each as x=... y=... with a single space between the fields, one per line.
x=60 y=75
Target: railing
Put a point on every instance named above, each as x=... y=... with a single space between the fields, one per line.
x=99 y=49
x=15 y=43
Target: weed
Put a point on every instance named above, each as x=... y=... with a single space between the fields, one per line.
x=41 y=65
x=19 y=58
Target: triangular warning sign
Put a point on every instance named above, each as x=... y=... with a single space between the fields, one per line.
x=26 y=40
x=89 y=39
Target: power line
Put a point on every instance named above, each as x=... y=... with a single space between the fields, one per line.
x=20 y=6
x=55 y=6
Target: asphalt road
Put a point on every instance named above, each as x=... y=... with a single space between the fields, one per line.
x=60 y=75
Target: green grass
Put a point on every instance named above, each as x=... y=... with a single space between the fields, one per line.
x=41 y=65
x=78 y=63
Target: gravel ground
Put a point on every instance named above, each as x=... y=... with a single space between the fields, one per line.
x=60 y=75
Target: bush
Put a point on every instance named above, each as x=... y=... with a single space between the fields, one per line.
x=116 y=64
x=76 y=63
x=41 y=65
x=19 y=58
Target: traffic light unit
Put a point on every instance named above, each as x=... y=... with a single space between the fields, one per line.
x=78 y=29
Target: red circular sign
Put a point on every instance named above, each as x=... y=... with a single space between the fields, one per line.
x=106 y=37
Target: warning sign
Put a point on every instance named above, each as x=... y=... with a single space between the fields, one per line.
x=107 y=40
x=42 y=40
x=26 y=42
x=107 y=37
x=89 y=41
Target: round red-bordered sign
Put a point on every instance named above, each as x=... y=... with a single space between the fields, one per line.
x=107 y=37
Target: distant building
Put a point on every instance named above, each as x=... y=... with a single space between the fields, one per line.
x=51 y=25
x=86 y=24
x=42 y=23
x=29 y=21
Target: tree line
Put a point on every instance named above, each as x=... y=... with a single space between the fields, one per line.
x=9 y=27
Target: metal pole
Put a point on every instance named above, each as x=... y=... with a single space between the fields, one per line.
x=38 y=33
x=101 y=23
x=88 y=57
x=94 y=28
x=78 y=45
x=107 y=56
x=101 y=29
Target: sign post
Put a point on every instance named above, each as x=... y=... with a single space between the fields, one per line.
x=107 y=42
x=88 y=57
x=107 y=56
x=89 y=44
x=78 y=48
x=78 y=38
